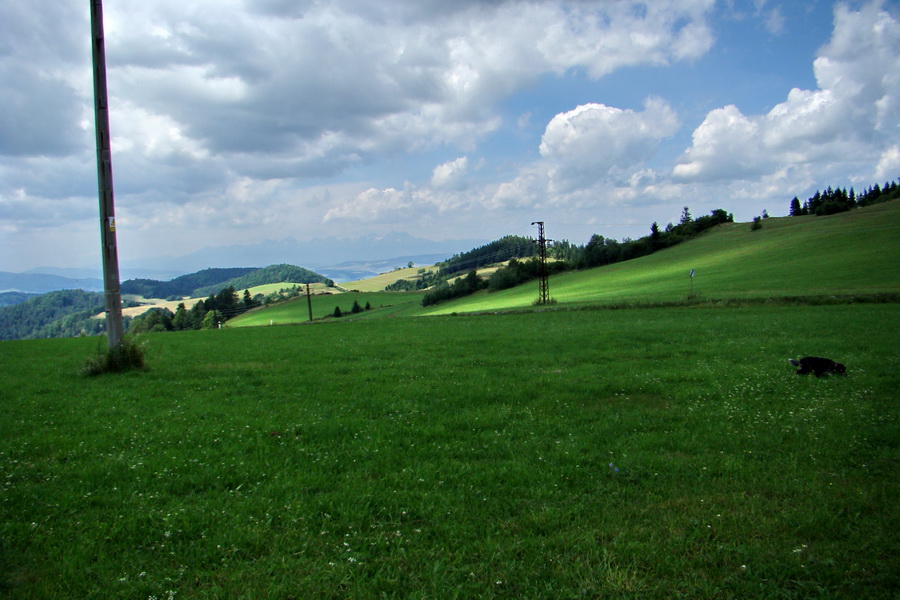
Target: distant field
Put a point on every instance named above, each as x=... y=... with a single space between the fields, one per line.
x=296 y=310
x=849 y=253
x=379 y=282
x=646 y=453
x=148 y=303
x=172 y=305
x=271 y=288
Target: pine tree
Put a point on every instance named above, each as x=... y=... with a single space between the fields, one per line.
x=180 y=320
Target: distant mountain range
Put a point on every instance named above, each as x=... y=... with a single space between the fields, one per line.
x=41 y=283
x=338 y=259
x=320 y=255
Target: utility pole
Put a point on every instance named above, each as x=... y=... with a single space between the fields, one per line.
x=114 y=328
x=309 y=301
x=544 y=289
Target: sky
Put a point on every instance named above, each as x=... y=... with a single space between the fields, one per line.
x=238 y=121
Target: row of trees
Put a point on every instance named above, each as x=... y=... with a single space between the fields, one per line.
x=833 y=201
x=212 y=281
x=506 y=248
x=463 y=286
x=355 y=309
x=266 y=275
x=185 y=285
x=205 y=314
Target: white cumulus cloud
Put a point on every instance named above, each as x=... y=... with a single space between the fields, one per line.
x=853 y=115
x=451 y=175
x=593 y=141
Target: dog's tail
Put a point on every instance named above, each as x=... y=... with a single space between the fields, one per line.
x=794 y=362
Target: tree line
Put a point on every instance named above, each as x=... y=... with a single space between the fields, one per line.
x=211 y=281
x=205 y=314
x=266 y=275
x=833 y=201
x=506 y=248
x=185 y=285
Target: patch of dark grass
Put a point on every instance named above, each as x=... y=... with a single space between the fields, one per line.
x=126 y=356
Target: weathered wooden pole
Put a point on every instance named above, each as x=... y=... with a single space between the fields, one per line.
x=114 y=328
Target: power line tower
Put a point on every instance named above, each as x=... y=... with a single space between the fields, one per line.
x=115 y=331
x=544 y=285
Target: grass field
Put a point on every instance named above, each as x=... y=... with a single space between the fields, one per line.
x=379 y=282
x=849 y=253
x=296 y=310
x=855 y=253
x=652 y=453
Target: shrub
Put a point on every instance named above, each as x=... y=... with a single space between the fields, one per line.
x=127 y=356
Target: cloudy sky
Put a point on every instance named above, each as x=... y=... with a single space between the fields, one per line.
x=237 y=121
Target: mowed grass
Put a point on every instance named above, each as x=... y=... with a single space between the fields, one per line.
x=652 y=453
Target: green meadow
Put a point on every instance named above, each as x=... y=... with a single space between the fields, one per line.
x=643 y=452
x=296 y=310
x=850 y=253
x=804 y=258
x=625 y=442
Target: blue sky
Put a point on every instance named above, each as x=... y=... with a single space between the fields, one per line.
x=236 y=121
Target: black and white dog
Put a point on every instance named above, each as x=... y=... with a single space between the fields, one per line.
x=817 y=365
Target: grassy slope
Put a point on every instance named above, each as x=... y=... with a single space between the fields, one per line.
x=379 y=282
x=297 y=310
x=172 y=305
x=854 y=252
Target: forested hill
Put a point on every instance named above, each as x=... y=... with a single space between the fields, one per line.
x=70 y=313
x=64 y=313
x=184 y=285
x=507 y=247
x=271 y=274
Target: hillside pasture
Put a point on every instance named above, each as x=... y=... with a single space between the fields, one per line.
x=148 y=303
x=651 y=453
x=296 y=310
x=848 y=253
x=272 y=288
x=380 y=282
x=172 y=305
